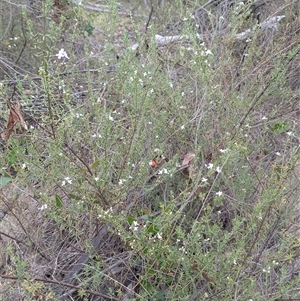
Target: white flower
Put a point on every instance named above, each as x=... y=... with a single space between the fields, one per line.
x=96 y=135
x=108 y=211
x=182 y=127
x=209 y=166
x=163 y=170
x=43 y=207
x=121 y=181
x=78 y=115
x=224 y=150
x=204 y=180
x=62 y=54
x=109 y=117
x=134 y=226
x=278 y=154
x=219 y=193
x=208 y=52
x=96 y=179
x=267 y=270
x=66 y=180
x=264 y=118
x=219 y=169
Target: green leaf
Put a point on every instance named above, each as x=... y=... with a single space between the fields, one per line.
x=280 y=127
x=58 y=201
x=169 y=280
x=81 y=292
x=95 y=165
x=74 y=197
x=145 y=217
x=88 y=27
x=11 y=157
x=151 y=272
x=147 y=286
x=160 y=295
x=4 y=181
x=130 y=220
x=152 y=229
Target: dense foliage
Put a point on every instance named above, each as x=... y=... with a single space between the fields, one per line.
x=160 y=155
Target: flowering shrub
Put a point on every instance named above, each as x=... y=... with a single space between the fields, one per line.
x=159 y=166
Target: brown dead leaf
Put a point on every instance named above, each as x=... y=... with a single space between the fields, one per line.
x=187 y=158
x=186 y=165
x=208 y=279
x=5 y=135
x=15 y=116
x=153 y=163
x=17 y=110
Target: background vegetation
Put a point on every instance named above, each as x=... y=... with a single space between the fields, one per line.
x=150 y=171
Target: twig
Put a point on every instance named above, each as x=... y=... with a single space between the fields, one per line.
x=15 y=239
x=74 y=153
x=76 y=287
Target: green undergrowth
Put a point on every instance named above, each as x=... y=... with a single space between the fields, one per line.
x=100 y=170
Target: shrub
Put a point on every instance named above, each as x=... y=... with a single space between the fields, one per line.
x=157 y=172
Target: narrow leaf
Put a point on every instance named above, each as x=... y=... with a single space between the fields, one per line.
x=4 y=181
x=58 y=201
x=95 y=165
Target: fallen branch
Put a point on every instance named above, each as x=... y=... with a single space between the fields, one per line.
x=270 y=23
